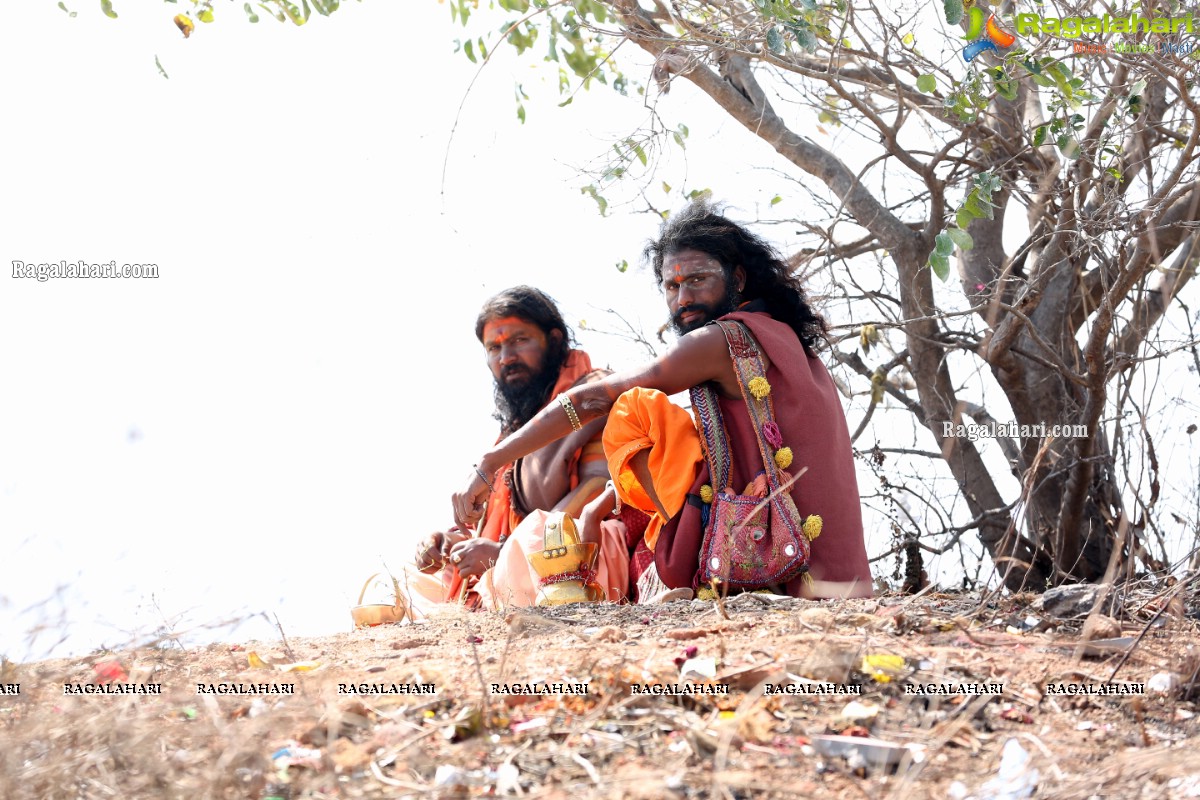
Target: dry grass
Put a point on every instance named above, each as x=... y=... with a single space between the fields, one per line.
x=464 y=742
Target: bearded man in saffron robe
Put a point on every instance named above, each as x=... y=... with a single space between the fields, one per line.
x=529 y=353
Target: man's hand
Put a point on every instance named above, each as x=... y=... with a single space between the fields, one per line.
x=433 y=552
x=474 y=557
x=468 y=504
x=593 y=513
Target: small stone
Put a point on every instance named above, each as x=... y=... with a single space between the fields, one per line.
x=609 y=633
x=1163 y=683
x=821 y=618
x=1099 y=626
x=1066 y=602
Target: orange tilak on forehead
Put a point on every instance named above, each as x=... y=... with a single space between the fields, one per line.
x=500 y=330
x=695 y=270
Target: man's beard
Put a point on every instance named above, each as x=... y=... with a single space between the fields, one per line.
x=516 y=403
x=708 y=313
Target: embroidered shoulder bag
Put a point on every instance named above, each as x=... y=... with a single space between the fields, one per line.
x=750 y=542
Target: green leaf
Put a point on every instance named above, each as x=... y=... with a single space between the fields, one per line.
x=205 y=15
x=963 y=218
x=1069 y=146
x=106 y=7
x=666 y=187
x=976 y=206
x=940 y=265
x=250 y=13
x=1007 y=88
x=804 y=37
x=277 y=14
x=622 y=265
x=988 y=182
x=908 y=39
x=639 y=152
x=469 y=50
x=774 y=39
x=678 y=139
x=927 y=84
x=943 y=245
x=158 y=64
x=954 y=11
x=776 y=200
x=961 y=238
x=1039 y=136
x=810 y=5
x=1060 y=68
x=64 y=8
x=521 y=113
x=293 y=13
x=595 y=195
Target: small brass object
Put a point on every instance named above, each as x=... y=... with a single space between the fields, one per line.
x=562 y=552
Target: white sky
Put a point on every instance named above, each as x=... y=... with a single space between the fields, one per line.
x=292 y=402
x=297 y=394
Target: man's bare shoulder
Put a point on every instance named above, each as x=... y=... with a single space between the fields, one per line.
x=706 y=342
x=699 y=356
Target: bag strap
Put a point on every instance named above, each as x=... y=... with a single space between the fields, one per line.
x=712 y=430
x=748 y=366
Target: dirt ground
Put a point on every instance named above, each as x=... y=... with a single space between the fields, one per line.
x=465 y=741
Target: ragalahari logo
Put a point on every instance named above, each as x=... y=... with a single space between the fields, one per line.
x=984 y=36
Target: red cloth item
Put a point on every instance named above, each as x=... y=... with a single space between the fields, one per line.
x=635 y=525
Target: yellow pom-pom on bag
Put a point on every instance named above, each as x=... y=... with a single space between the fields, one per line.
x=706 y=493
x=759 y=387
x=812 y=526
x=783 y=457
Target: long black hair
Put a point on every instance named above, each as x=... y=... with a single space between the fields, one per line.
x=702 y=227
x=527 y=303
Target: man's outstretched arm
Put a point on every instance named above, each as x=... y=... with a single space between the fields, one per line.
x=700 y=356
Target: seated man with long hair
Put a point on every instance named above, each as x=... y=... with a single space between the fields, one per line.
x=529 y=352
